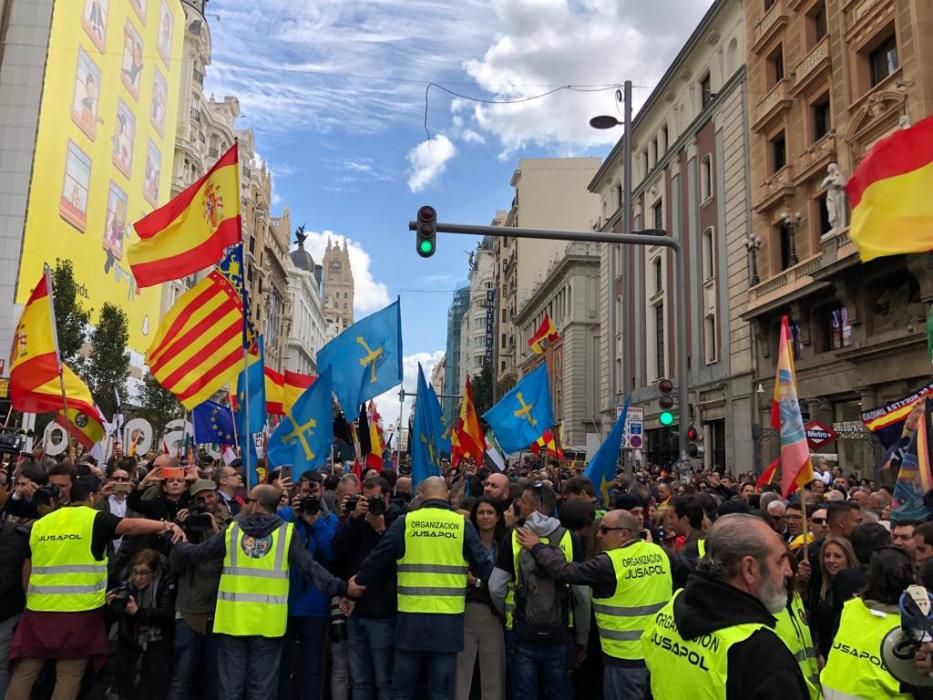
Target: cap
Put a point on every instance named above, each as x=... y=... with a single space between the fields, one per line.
x=202 y=485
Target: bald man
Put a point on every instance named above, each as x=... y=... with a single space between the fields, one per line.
x=434 y=548
x=250 y=631
x=497 y=487
x=631 y=580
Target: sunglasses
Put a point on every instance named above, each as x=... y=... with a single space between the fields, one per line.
x=605 y=530
x=818 y=521
x=120 y=478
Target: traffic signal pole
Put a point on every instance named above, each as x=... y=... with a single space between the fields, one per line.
x=649 y=237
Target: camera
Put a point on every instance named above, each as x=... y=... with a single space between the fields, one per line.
x=350 y=505
x=377 y=506
x=309 y=505
x=120 y=598
x=46 y=495
x=338 y=621
x=11 y=443
x=199 y=520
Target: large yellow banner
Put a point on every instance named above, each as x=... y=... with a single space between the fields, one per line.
x=105 y=147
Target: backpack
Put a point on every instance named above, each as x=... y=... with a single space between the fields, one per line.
x=542 y=605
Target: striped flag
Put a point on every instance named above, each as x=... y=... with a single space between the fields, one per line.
x=548 y=443
x=796 y=469
x=546 y=331
x=294 y=387
x=88 y=430
x=192 y=230
x=467 y=439
x=275 y=392
x=198 y=346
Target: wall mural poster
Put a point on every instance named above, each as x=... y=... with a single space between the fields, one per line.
x=153 y=173
x=73 y=201
x=124 y=135
x=86 y=95
x=115 y=227
x=94 y=21
x=166 y=27
x=159 y=101
x=131 y=69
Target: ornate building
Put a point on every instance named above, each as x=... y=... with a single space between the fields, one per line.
x=827 y=79
x=307 y=331
x=338 y=287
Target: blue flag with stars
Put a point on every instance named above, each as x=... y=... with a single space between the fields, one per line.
x=522 y=415
x=425 y=458
x=304 y=437
x=254 y=378
x=366 y=359
x=601 y=470
x=213 y=423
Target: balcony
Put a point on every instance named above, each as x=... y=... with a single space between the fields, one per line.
x=812 y=66
x=780 y=184
x=777 y=101
x=774 y=20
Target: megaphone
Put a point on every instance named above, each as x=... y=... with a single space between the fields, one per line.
x=900 y=644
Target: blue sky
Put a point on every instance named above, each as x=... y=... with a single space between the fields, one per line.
x=334 y=90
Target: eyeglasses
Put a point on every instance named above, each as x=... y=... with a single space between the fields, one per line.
x=605 y=530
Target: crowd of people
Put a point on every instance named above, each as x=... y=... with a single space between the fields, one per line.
x=154 y=578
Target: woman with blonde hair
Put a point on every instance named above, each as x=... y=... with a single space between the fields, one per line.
x=835 y=555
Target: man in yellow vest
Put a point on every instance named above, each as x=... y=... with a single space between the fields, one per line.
x=432 y=549
x=258 y=549
x=631 y=580
x=716 y=638
x=65 y=573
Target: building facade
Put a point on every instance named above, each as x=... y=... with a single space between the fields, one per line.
x=307 y=329
x=453 y=374
x=569 y=295
x=477 y=344
x=827 y=79
x=338 y=287
x=438 y=375
x=689 y=178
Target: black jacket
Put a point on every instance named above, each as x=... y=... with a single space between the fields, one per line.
x=13 y=541
x=162 y=615
x=761 y=667
x=354 y=540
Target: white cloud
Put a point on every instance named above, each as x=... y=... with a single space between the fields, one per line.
x=368 y=294
x=428 y=160
x=388 y=403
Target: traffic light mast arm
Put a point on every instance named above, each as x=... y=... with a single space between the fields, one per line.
x=650 y=237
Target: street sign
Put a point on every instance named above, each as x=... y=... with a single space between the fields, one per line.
x=633 y=433
x=818 y=434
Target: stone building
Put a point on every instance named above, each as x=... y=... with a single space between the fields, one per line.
x=477 y=343
x=827 y=79
x=307 y=330
x=338 y=287
x=453 y=372
x=437 y=375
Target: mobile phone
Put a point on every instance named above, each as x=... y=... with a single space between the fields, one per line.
x=122 y=487
x=285 y=472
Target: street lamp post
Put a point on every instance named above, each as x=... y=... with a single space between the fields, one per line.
x=790 y=223
x=752 y=244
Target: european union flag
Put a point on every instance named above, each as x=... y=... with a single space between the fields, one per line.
x=522 y=415
x=425 y=459
x=443 y=439
x=601 y=470
x=254 y=379
x=304 y=437
x=366 y=358
x=213 y=423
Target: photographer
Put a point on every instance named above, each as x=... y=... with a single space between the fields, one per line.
x=31 y=477
x=308 y=606
x=371 y=628
x=163 y=491
x=144 y=608
x=195 y=644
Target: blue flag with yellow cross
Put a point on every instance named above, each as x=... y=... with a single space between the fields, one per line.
x=425 y=455
x=304 y=437
x=522 y=415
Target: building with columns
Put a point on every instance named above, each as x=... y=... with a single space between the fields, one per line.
x=454 y=375
x=689 y=178
x=826 y=80
x=307 y=331
x=437 y=375
x=477 y=343
x=338 y=287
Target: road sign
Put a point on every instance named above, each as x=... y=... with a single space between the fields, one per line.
x=818 y=434
x=633 y=433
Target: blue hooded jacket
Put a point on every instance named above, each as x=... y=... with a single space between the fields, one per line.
x=305 y=599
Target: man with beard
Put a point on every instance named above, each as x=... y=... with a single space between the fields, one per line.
x=716 y=638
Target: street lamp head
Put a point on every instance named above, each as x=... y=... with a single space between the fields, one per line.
x=604 y=121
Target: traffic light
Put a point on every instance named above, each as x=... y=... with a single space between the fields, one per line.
x=693 y=435
x=426 y=232
x=666 y=402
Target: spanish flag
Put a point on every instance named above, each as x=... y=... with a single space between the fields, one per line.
x=295 y=385
x=548 y=443
x=88 y=430
x=376 y=443
x=546 y=331
x=191 y=232
x=892 y=210
x=35 y=386
x=467 y=439
x=275 y=392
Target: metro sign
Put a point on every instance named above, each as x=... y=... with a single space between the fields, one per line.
x=818 y=434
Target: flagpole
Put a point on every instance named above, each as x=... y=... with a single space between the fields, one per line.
x=806 y=526
x=58 y=358
x=247 y=467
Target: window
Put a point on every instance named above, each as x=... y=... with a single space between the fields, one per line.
x=658 y=275
x=776 y=66
x=822 y=117
x=785 y=233
x=708 y=251
x=706 y=178
x=654 y=150
x=840 y=330
x=769 y=4
x=778 y=152
x=619 y=194
x=659 y=339
x=644 y=158
x=664 y=137
x=823 y=215
x=882 y=61
x=709 y=338
x=818 y=25
x=657 y=214
x=706 y=92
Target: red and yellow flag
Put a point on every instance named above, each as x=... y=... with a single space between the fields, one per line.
x=796 y=469
x=275 y=392
x=892 y=210
x=86 y=429
x=376 y=443
x=546 y=331
x=190 y=232
x=198 y=347
x=34 y=382
x=294 y=387
x=467 y=439
x=548 y=443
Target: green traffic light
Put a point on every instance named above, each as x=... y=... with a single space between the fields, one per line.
x=666 y=418
x=426 y=247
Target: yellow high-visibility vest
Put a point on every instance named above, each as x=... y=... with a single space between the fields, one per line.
x=252 y=599
x=432 y=574
x=701 y=548
x=695 y=669
x=65 y=576
x=854 y=668
x=793 y=630
x=643 y=587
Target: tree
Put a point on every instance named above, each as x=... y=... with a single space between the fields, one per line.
x=108 y=365
x=482 y=389
x=157 y=404
x=71 y=318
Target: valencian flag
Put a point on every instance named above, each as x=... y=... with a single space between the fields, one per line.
x=546 y=331
x=914 y=477
x=601 y=470
x=87 y=430
x=366 y=357
x=796 y=469
x=192 y=230
x=423 y=435
x=294 y=387
x=548 y=443
x=522 y=415
x=892 y=211
x=466 y=438
x=198 y=346
x=275 y=392
x=35 y=386
x=304 y=437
